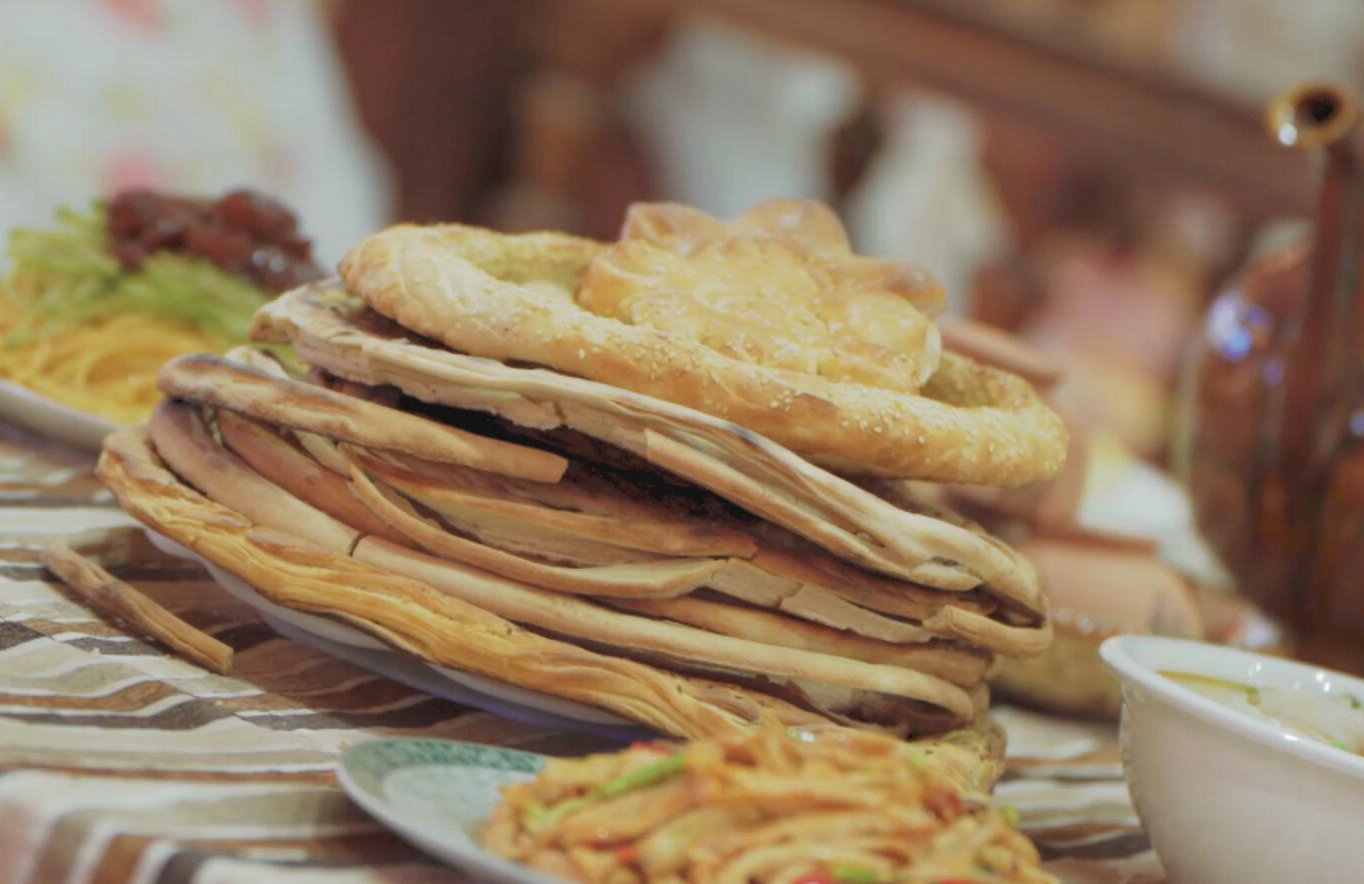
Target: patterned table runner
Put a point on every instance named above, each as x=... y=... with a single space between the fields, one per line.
x=119 y=763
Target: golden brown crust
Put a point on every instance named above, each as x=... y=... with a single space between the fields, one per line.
x=806 y=584
x=329 y=328
x=752 y=585
x=281 y=463
x=789 y=585
x=416 y=618
x=1051 y=505
x=137 y=613
x=652 y=579
x=271 y=507
x=959 y=664
x=898 y=598
x=185 y=443
x=810 y=586
x=215 y=381
x=577 y=491
x=808 y=223
x=664 y=536
x=466 y=287
x=931 y=543
x=778 y=287
x=973 y=629
x=972 y=755
x=579 y=619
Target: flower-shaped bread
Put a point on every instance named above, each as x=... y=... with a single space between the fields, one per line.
x=744 y=332
x=778 y=287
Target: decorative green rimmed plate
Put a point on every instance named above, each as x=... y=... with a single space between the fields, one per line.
x=436 y=794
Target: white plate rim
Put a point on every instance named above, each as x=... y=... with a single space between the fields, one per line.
x=510 y=693
x=244 y=592
x=52 y=419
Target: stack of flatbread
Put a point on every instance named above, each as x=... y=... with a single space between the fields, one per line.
x=664 y=476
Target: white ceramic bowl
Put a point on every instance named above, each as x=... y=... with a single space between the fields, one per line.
x=1225 y=797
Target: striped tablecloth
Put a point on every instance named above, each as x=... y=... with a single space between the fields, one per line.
x=119 y=763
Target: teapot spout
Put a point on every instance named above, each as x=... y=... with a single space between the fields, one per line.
x=1313 y=116
x=1325 y=119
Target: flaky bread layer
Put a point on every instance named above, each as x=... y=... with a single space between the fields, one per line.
x=221 y=383
x=330 y=329
x=416 y=618
x=193 y=453
x=961 y=665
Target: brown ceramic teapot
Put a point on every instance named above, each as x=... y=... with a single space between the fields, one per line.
x=1274 y=448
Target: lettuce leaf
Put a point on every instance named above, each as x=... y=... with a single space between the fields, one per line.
x=66 y=276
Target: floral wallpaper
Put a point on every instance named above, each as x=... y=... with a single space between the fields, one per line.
x=101 y=95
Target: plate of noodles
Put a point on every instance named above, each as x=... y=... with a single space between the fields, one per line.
x=835 y=806
x=92 y=305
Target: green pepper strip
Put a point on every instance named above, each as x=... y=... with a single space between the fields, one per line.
x=645 y=776
x=854 y=875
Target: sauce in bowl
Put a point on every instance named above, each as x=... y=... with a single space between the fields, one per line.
x=1336 y=720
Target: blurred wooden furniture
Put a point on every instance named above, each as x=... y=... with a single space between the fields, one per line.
x=1140 y=118
x=433 y=82
x=437 y=84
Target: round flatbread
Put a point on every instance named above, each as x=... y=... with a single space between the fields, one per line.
x=511 y=298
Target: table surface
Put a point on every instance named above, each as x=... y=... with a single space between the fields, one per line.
x=121 y=763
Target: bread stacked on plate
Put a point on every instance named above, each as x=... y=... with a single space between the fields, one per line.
x=662 y=476
x=1114 y=542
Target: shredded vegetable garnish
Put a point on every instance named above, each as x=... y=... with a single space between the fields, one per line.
x=1334 y=719
x=65 y=276
x=77 y=327
x=836 y=807
x=855 y=875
